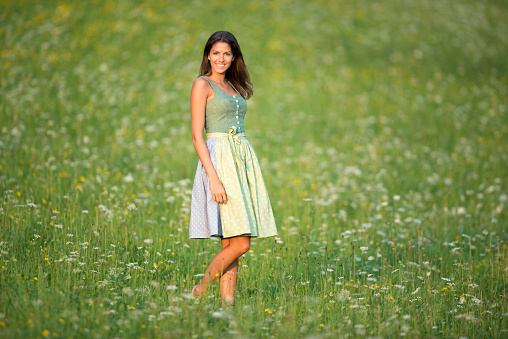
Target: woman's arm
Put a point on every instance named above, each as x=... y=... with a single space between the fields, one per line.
x=199 y=94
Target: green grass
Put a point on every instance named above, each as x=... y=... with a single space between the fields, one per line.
x=382 y=133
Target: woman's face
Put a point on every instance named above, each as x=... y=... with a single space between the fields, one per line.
x=220 y=57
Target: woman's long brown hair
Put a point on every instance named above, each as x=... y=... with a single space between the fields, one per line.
x=237 y=73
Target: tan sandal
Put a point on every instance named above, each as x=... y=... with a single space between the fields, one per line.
x=192 y=292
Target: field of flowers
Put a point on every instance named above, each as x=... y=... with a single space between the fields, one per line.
x=382 y=133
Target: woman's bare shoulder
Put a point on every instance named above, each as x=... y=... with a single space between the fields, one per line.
x=201 y=85
x=200 y=82
x=201 y=89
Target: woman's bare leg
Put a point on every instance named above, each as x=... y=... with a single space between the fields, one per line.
x=228 y=280
x=222 y=261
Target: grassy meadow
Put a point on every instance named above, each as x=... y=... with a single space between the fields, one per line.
x=381 y=129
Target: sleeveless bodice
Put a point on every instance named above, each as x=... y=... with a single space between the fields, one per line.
x=224 y=111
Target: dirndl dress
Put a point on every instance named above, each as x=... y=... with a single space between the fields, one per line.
x=248 y=211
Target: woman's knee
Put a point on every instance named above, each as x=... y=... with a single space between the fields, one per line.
x=245 y=247
x=242 y=245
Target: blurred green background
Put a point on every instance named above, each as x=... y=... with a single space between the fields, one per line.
x=387 y=120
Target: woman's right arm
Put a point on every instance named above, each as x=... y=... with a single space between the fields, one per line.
x=199 y=94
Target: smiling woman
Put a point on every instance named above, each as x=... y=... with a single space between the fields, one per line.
x=223 y=56
x=220 y=57
x=229 y=197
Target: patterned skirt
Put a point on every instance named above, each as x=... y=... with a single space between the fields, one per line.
x=247 y=211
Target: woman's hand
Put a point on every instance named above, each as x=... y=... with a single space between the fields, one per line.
x=218 y=193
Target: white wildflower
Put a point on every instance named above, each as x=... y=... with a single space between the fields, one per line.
x=344 y=295
x=128 y=291
x=128 y=178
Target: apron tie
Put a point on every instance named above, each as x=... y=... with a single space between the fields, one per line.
x=233 y=141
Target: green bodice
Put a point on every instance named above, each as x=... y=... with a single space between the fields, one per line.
x=224 y=111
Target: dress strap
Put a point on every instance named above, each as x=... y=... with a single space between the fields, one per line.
x=214 y=86
x=233 y=87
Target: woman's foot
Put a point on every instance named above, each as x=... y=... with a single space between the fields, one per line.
x=228 y=302
x=196 y=293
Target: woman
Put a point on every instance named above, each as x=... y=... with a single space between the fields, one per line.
x=229 y=198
